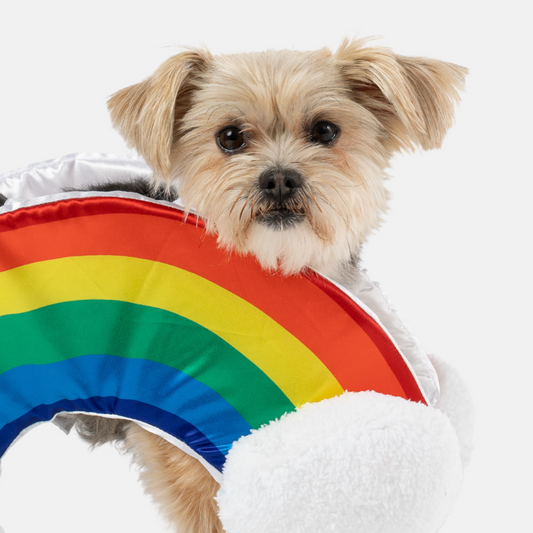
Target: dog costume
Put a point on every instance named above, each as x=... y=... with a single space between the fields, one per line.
x=315 y=408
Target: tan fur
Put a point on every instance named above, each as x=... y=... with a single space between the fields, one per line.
x=145 y=113
x=381 y=103
x=183 y=488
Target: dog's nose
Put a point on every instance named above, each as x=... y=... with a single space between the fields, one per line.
x=280 y=183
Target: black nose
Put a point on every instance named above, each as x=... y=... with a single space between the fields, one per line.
x=280 y=183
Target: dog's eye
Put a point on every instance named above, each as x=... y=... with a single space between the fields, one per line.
x=230 y=139
x=324 y=132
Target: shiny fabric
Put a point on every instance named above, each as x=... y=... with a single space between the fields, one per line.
x=359 y=346
x=48 y=177
x=355 y=350
x=73 y=170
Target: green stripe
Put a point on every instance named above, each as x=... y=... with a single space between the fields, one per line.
x=70 y=329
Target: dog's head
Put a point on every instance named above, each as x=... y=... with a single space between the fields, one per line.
x=284 y=153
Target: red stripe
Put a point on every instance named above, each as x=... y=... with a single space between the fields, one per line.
x=349 y=342
x=375 y=332
x=89 y=206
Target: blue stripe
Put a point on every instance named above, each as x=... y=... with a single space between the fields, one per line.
x=142 y=412
x=24 y=388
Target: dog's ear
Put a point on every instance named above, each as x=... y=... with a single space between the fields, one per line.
x=147 y=114
x=412 y=97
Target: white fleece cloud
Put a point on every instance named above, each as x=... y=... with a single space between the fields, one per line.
x=358 y=463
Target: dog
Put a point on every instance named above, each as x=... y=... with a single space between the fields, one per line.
x=284 y=155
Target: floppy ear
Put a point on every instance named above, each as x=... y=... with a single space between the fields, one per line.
x=147 y=114
x=412 y=97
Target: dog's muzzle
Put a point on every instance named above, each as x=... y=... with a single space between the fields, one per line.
x=281 y=198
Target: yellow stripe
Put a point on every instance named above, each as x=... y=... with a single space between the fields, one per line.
x=287 y=362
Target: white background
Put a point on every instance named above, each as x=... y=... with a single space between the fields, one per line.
x=454 y=253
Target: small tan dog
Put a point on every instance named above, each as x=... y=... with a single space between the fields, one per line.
x=284 y=155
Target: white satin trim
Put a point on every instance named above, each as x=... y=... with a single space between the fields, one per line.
x=371 y=294
x=73 y=170
x=46 y=180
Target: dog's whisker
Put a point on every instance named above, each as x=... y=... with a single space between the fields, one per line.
x=310 y=191
x=355 y=185
x=215 y=108
x=252 y=208
x=331 y=204
x=244 y=206
x=308 y=207
x=239 y=197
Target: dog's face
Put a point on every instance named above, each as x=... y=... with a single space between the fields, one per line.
x=284 y=153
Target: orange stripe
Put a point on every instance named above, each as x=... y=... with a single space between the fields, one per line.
x=295 y=303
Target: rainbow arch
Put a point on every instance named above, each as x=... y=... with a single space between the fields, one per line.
x=125 y=307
